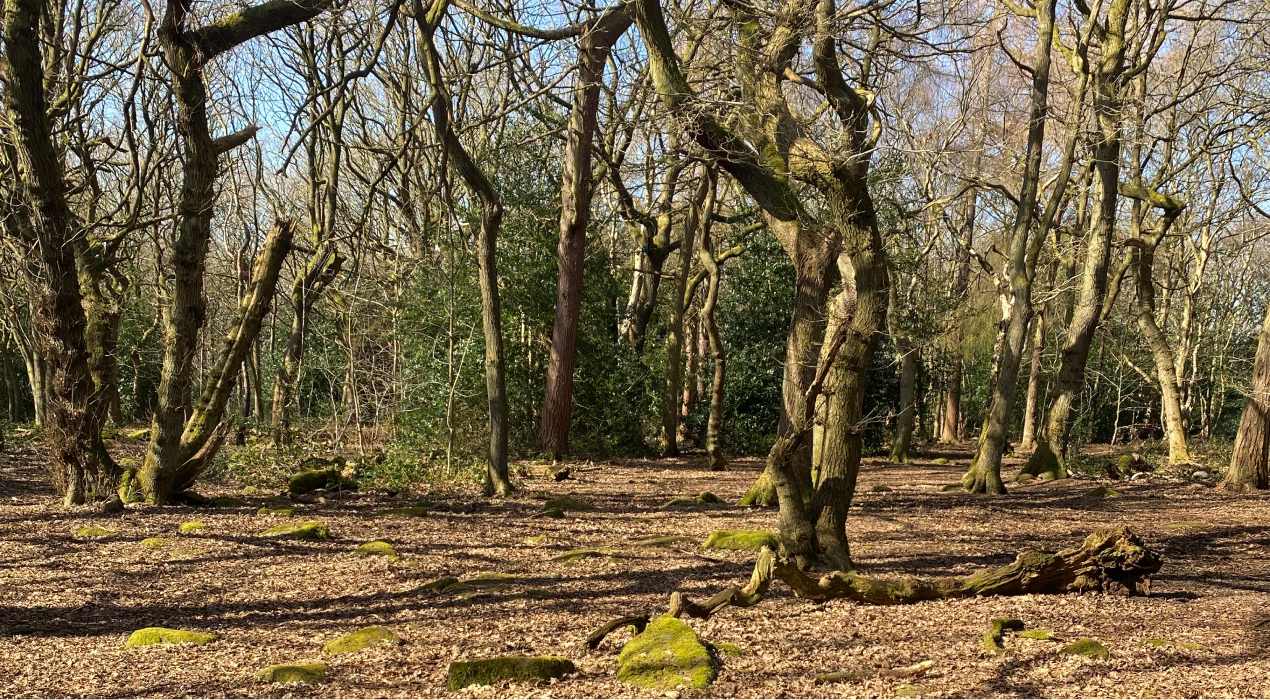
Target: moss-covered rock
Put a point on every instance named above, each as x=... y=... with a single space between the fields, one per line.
x=191 y=527
x=726 y=648
x=112 y=506
x=518 y=669
x=445 y=584
x=741 y=540
x=140 y=434
x=292 y=673
x=678 y=503
x=280 y=512
x=666 y=655
x=706 y=498
x=1024 y=478
x=96 y=531
x=1037 y=634
x=227 y=502
x=411 y=512
x=1087 y=647
x=940 y=460
x=1103 y=492
x=567 y=503
x=555 y=513
x=299 y=531
x=376 y=548
x=363 y=638
x=151 y=636
x=312 y=480
x=155 y=542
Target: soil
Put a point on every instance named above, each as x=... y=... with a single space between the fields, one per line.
x=70 y=602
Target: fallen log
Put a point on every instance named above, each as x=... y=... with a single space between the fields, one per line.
x=1113 y=561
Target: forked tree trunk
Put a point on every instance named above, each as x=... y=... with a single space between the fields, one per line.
x=1250 y=460
x=700 y=210
x=322 y=268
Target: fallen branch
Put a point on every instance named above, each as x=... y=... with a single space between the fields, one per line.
x=639 y=622
x=1114 y=561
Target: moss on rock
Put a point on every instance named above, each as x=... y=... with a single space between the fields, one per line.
x=151 y=636
x=292 y=673
x=1103 y=492
x=678 y=503
x=280 y=512
x=155 y=542
x=444 y=584
x=363 y=638
x=940 y=460
x=707 y=498
x=567 y=503
x=666 y=655
x=518 y=669
x=1087 y=647
x=376 y=548
x=1037 y=634
x=741 y=540
x=227 y=502
x=411 y=512
x=1159 y=642
x=96 y=531
x=299 y=531
x=312 y=480
x=726 y=648
x=191 y=527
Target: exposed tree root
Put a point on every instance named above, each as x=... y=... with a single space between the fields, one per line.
x=1114 y=561
x=639 y=622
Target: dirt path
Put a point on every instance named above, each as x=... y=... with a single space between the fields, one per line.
x=70 y=602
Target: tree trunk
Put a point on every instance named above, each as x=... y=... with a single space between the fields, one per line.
x=908 y=403
x=714 y=429
x=1250 y=460
x=575 y=213
x=950 y=426
x=699 y=212
x=1170 y=403
x=321 y=269
x=1034 y=384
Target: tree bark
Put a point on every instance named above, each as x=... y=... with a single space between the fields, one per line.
x=950 y=426
x=575 y=214
x=1250 y=460
x=698 y=215
x=321 y=269
x=908 y=403
x=1030 y=416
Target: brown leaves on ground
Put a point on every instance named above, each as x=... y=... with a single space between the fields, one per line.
x=70 y=602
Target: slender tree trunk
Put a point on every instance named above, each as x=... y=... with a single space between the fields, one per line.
x=1030 y=416
x=950 y=426
x=668 y=438
x=1170 y=402
x=908 y=408
x=13 y=400
x=714 y=429
x=1250 y=460
x=575 y=214
x=322 y=268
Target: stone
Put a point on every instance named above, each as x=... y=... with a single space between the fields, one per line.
x=280 y=512
x=292 y=673
x=1091 y=648
x=155 y=542
x=113 y=506
x=191 y=527
x=96 y=531
x=363 y=638
x=567 y=503
x=665 y=656
x=1201 y=475
x=517 y=669
x=312 y=480
x=707 y=498
x=299 y=531
x=151 y=636
x=741 y=540
x=376 y=548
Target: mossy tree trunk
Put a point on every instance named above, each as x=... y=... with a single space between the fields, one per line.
x=1250 y=459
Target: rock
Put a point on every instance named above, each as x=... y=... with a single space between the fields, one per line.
x=940 y=460
x=141 y=434
x=190 y=498
x=412 y=512
x=1140 y=476
x=1087 y=647
x=556 y=513
x=96 y=531
x=252 y=491
x=315 y=479
x=663 y=541
x=566 y=503
x=191 y=527
x=726 y=648
x=376 y=548
x=1201 y=475
x=741 y=540
x=280 y=512
x=880 y=488
x=299 y=531
x=850 y=675
x=666 y=655
x=292 y=673
x=363 y=638
x=227 y=502
x=679 y=503
x=113 y=506
x=562 y=474
x=707 y=498
x=1103 y=492
x=151 y=636
x=994 y=638
x=1023 y=478
x=155 y=542
x=518 y=669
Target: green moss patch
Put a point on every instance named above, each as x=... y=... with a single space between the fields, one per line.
x=994 y=638
x=727 y=649
x=96 y=531
x=411 y=512
x=192 y=527
x=517 y=669
x=1159 y=642
x=1103 y=492
x=151 y=636
x=567 y=503
x=741 y=540
x=376 y=548
x=1087 y=647
x=666 y=655
x=155 y=542
x=707 y=498
x=678 y=503
x=940 y=460
x=1037 y=634
x=535 y=540
x=299 y=531
x=312 y=480
x=363 y=638
x=280 y=512
x=292 y=673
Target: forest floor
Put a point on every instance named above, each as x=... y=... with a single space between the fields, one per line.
x=70 y=602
